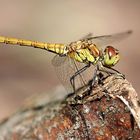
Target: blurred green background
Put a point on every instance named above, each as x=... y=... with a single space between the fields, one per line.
x=27 y=71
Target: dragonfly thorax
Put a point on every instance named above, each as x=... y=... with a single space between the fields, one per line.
x=110 y=57
x=78 y=45
x=84 y=52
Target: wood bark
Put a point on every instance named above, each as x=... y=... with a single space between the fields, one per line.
x=109 y=112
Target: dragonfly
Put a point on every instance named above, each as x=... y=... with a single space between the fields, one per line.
x=78 y=62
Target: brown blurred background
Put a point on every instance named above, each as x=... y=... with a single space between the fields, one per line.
x=27 y=71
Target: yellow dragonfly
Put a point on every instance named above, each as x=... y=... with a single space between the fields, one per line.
x=74 y=61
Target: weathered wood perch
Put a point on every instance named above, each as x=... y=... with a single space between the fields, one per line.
x=111 y=112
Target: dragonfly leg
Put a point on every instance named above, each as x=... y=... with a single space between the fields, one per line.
x=117 y=73
x=93 y=80
x=99 y=76
x=109 y=70
x=72 y=79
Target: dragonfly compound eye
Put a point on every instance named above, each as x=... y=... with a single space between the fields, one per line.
x=111 y=56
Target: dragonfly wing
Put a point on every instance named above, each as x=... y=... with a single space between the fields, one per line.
x=57 y=60
x=66 y=67
x=108 y=39
x=86 y=36
x=63 y=70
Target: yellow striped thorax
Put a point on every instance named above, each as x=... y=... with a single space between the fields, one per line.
x=84 y=51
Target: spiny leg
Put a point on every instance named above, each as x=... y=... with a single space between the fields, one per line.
x=93 y=80
x=98 y=71
x=97 y=77
x=109 y=70
x=72 y=79
x=101 y=77
x=116 y=72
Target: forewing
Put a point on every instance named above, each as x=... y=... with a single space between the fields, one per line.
x=109 y=39
x=66 y=67
x=86 y=36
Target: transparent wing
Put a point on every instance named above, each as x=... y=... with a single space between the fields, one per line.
x=86 y=36
x=108 y=39
x=66 y=67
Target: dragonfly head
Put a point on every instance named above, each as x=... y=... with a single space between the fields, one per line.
x=111 y=56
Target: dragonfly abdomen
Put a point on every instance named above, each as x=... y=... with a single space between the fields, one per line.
x=21 y=42
x=56 y=48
